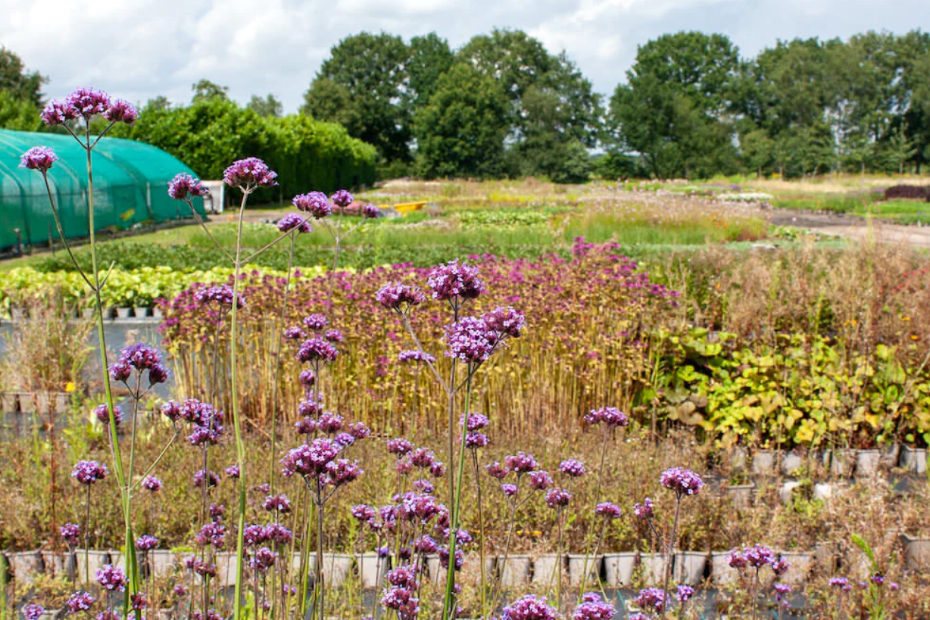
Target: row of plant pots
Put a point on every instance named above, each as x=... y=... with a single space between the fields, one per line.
x=41 y=402
x=518 y=570
x=843 y=462
x=115 y=312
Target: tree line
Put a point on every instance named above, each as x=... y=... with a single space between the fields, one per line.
x=503 y=105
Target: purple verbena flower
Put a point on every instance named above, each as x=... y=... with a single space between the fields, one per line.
x=341 y=198
x=38 y=158
x=89 y=472
x=530 y=607
x=540 y=480
x=184 y=185
x=454 y=281
x=80 y=601
x=521 y=463
x=279 y=503
x=102 y=412
x=293 y=221
x=121 y=111
x=400 y=298
x=370 y=211
x=111 y=578
x=33 y=611
x=316 y=322
x=572 y=468
x=506 y=321
x=558 y=498
x=415 y=356
x=317 y=349
x=644 y=510
x=71 y=534
x=249 y=173
x=470 y=341
x=314 y=203
x=684 y=593
x=232 y=471
x=608 y=510
x=653 y=600
x=146 y=542
x=609 y=416
x=682 y=481
x=594 y=608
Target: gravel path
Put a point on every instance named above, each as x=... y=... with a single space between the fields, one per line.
x=851 y=227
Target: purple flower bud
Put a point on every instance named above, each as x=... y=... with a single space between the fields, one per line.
x=509 y=489
x=293 y=221
x=80 y=601
x=572 y=468
x=608 y=510
x=71 y=534
x=102 y=412
x=644 y=510
x=39 y=158
x=89 y=472
x=455 y=281
x=399 y=297
x=521 y=463
x=33 y=611
x=682 y=481
x=341 y=198
x=314 y=203
x=684 y=593
x=317 y=349
x=415 y=356
x=316 y=322
x=121 y=112
x=184 y=185
x=540 y=480
x=233 y=471
x=146 y=543
x=249 y=173
x=609 y=416
x=530 y=607
x=651 y=599
x=558 y=498
x=370 y=211
x=111 y=578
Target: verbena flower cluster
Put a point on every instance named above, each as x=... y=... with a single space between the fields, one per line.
x=86 y=103
x=39 y=158
x=249 y=173
x=183 y=186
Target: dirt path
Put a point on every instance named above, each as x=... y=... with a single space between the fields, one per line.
x=851 y=227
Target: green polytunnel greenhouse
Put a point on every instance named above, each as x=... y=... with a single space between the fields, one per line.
x=130 y=187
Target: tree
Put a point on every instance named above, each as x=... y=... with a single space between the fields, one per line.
x=672 y=108
x=205 y=90
x=460 y=133
x=757 y=149
x=900 y=149
x=361 y=86
x=269 y=106
x=18 y=114
x=552 y=108
x=430 y=57
x=15 y=80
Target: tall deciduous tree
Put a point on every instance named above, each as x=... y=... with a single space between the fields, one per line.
x=266 y=106
x=15 y=80
x=553 y=111
x=361 y=86
x=460 y=132
x=672 y=108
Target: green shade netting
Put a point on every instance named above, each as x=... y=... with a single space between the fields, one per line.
x=130 y=187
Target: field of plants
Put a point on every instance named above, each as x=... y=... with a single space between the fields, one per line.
x=520 y=401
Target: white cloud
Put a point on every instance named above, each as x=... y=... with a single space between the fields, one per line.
x=142 y=48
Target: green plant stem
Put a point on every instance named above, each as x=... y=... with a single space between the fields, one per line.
x=669 y=549
x=558 y=565
x=449 y=602
x=597 y=496
x=484 y=601
x=131 y=568
x=319 y=591
x=237 y=425
x=87 y=542
x=277 y=364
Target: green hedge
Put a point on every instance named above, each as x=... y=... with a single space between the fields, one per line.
x=308 y=155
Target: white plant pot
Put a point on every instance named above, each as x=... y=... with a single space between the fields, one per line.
x=738 y=459
x=27 y=403
x=916 y=552
x=579 y=570
x=471 y=569
x=868 y=462
x=123 y=312
x=9 y=402
x=156 y=312
x=764 y=463
x=159 y=562
x=914 y=459
x=722 y=573
x=295 y=563
x=823 y=491
x=372 y=569
x=226 y=568
x=548 y=568
x=140 y=313
x=25 y=566
x=57 y=564
x=890 y=455
x=336 y=569
x=842 y=462
x=742 y=495
x=787 y=488
x=689 y=567
x=515 y=571
x=791 y=462
x=799 y=567
x=618 y=568
x=95 y=560
x=653 y=568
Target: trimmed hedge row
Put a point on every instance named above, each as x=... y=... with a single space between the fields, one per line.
x=308 y=155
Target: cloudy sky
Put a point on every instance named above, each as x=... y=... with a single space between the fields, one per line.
x=137 y=49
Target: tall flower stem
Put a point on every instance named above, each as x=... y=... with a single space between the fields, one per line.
x=558 y=565
x=319 y=591
x=237 y=425
x=597 y=498
x=87 y=542
x=484 y=602
x=449 y=602
x=669 y=550
x=277 y=363
x=131 y=567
